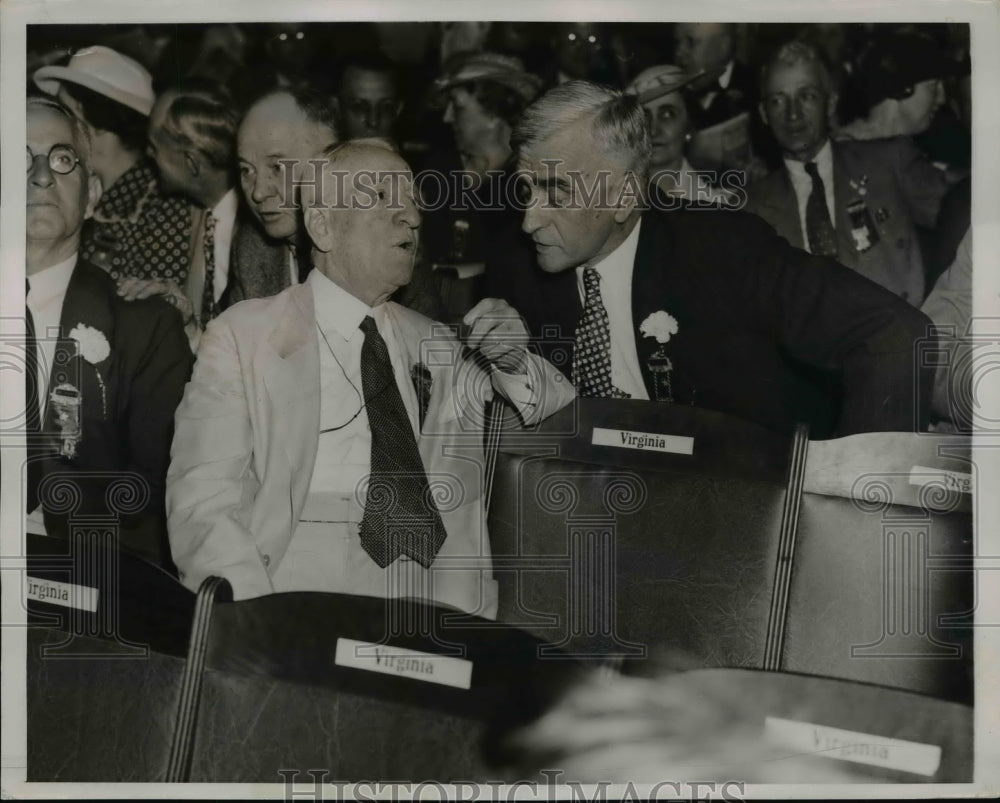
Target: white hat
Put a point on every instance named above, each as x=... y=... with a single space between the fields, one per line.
x=106 y=72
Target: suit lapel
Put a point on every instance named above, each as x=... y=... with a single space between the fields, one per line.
x=86 y=304
x=291 y=375
x=842 y=197
x=785 y=205
x=649 y=291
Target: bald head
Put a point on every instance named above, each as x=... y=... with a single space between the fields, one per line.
x=363 y=220
x=707 y=46
x=280 y=127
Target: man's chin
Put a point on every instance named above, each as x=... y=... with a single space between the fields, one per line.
x=551 y=260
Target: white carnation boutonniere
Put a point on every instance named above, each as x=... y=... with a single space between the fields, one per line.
x=93 y=346
x=661 y=326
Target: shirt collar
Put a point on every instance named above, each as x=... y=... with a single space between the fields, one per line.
x=823 y=160
x=51 y=282
x=624 y=254
x=225 y=209
x=337 y=310
x=727 y=75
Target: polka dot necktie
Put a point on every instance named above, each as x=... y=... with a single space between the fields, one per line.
x=592 y=353
x=819 y=229
x=400 y=514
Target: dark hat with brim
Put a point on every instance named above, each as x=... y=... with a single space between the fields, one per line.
x=895 y=64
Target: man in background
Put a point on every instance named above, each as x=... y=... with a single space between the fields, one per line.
x=857 y=202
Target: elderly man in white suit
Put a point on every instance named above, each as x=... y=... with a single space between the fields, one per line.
x=316 y=420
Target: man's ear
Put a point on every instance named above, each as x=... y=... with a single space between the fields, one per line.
x=192 y=163
x=94 y=191
x=762 y=113
x=629 y=196
x=318 y=228
x=831 y=108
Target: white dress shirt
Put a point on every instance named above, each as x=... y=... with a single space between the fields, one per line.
x=343 y=457
x=45 y=300
x=615 y=271
x=224 y=213
x=803 y=183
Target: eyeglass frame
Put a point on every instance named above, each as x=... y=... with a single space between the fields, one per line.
x=33 y=156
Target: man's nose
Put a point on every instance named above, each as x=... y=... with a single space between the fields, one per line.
x=793 y=110
x=372 y=118
x=409 y=213
x=260 y=189
x=449 y=113
x=41 y=174
x=533 y=217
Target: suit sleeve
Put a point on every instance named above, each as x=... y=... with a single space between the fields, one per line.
x=210 y=483
x=921 y=184
x=831 y=317
x=154 y=391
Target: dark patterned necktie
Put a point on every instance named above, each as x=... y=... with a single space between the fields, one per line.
x=592 y=353
x=400 y=514
x=208 y=306
x=32 y=403
x=819 y=229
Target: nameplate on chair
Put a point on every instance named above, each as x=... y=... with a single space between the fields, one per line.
x=645 y=441
x=390 y=660
x=68 y=595
x=957 y=481
x=861 y=748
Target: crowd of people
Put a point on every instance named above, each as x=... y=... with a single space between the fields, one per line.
x=241 y=237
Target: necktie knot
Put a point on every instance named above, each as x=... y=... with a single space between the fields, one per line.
x=368 y=326
x=812 y=169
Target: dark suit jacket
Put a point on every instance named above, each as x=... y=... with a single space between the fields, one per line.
x=902 y=189
x=766 y=331
x=738 y=97
x=126 y=414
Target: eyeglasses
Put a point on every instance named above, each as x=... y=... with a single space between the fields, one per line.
x=62 y=159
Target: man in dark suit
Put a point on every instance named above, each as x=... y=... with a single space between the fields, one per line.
x=695 y=307
x=726 y=87
x=104 y=375
x=855 y=201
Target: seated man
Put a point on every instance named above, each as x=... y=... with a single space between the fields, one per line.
x=329 y=440
x=858 y=202
x=707 y=308
x=118 y=368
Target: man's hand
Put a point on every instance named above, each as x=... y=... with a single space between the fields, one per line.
x=132 y=288
x=495 y=328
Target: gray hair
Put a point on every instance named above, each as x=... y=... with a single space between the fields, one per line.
x=81 y=134
x=336 y=153
x=797 y=52
x=615 y=120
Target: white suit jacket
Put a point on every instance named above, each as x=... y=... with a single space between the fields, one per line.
x=247 y=430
